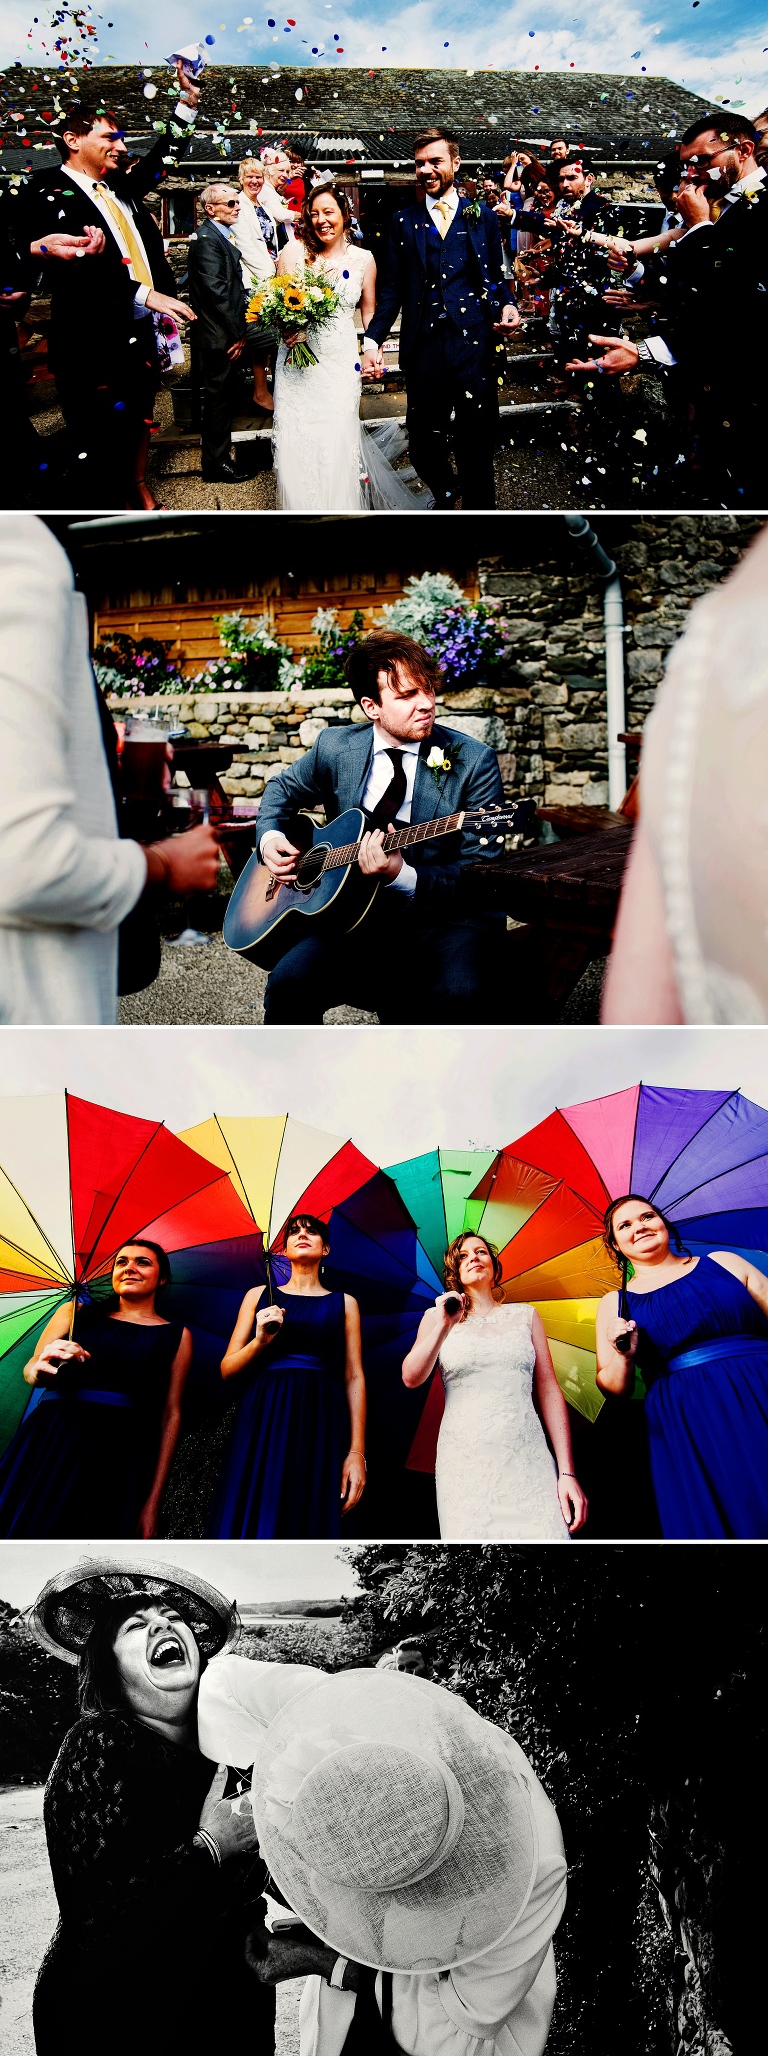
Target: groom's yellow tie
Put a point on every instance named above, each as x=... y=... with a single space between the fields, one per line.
x=139 y=265
x=445 y=211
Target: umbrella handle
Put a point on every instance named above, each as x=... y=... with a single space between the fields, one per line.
x=272 y=1325
x=623 y=1342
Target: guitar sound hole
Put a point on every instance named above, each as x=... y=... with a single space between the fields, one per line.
x=310 y=866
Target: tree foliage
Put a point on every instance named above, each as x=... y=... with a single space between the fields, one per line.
x=629 y=1677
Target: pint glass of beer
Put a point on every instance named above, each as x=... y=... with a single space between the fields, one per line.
x=142 y=764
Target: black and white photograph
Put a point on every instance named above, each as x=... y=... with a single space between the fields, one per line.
x=483 y=1797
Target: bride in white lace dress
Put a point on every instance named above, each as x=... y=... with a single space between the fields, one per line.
x=325 y=459
x=690 y=942
x=496 y=1479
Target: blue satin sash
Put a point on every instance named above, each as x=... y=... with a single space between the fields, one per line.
x=719 y=1350
x=93 y=1398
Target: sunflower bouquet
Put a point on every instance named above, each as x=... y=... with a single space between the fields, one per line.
x=283 y=303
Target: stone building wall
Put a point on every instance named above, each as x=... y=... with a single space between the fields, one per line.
x=553 y=701
x=544 y=713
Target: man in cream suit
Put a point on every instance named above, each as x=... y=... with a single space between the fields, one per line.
x=66 y=879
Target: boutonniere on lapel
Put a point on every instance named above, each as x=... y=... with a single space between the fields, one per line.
x=472 y=210
x=442 y=759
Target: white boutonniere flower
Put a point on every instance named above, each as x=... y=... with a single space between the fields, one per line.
x=440 y=761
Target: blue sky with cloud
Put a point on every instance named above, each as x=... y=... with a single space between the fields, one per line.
x=715 y=47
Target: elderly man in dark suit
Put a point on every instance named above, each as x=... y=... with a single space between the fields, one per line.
x=422 y=953
x=218 y=297
x=444 y=270
x=102 y=344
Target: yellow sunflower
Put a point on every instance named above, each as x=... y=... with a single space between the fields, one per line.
x=254 y=307
x=294 y=299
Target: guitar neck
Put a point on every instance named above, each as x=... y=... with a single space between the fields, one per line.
x=400 y=839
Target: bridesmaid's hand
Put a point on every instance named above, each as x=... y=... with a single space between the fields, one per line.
x=52 y=1355
x=574 y=1504
x=268 y=1320
x=617 y=1328
x=353 y=1477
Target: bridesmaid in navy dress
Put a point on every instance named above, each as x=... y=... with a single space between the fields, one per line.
x=296 y=1456
x=697 y=1328
x=92 y=1453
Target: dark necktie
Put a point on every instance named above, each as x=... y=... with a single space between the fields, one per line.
x=267 y=230
x=388 y=807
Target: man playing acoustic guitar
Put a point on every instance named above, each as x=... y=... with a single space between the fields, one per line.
x=421 y=954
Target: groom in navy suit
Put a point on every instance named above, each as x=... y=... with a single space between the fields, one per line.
x=444 y=274
x=424 y=952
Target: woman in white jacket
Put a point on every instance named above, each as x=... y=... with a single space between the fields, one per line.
x=66 y=879
x=416 y=1846
x=255 y=233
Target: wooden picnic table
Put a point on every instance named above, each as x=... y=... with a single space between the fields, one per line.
x=565 y=895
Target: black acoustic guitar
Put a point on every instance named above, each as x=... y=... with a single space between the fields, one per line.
x=264 y=918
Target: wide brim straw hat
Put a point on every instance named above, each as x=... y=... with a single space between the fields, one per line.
x=394 y=1821
x=69 y=1605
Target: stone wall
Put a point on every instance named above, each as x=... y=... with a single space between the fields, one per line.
x=553 y=700
x=276 y=728
x=544 y=712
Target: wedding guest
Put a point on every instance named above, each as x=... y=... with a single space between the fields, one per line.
x=255 y=235
x=715 y=290
x=416 y=1844
x=296 y=1457
x=690 y=939
x=558 y=150
x=295 y=190
x=102 y=344
x=218 y=297
x=93 y=1451
x=66 y=879
x=277 y=171
x=698 y=1332
x=157 y=1875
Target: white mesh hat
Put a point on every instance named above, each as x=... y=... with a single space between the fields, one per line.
x=393 y=1821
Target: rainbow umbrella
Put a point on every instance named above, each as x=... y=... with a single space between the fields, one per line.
x=279 y=1167
x=76 y=1180
x=702 y=1156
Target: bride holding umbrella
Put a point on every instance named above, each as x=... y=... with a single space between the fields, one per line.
x=495 y=1477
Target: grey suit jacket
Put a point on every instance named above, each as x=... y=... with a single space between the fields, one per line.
x=334 y=774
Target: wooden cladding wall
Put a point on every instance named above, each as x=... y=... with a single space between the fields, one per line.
x=188 y=625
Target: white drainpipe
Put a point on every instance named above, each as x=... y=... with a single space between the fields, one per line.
x=613 y=619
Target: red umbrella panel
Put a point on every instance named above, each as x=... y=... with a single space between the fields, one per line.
x=76 y=1181
x=700 y=1155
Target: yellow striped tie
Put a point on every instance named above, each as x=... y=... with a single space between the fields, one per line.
x=139 y=266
